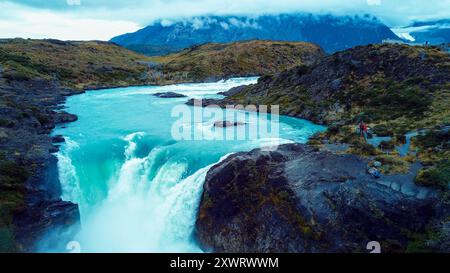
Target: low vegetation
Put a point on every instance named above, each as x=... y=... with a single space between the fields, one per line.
x=74 y=64
x=434 y=151
x=216 y=61
x=395 y=89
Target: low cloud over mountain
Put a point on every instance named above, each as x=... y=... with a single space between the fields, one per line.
x=332 y=33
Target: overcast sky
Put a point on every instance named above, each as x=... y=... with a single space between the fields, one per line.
x=103 y=19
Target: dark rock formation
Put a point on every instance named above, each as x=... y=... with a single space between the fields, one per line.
x=30 y=203
x=63 y=117
x=233 y=91
x=226 y=123
x=202 y=102
x=58 y=139
x=54 y=219
x=298 y=199
x=167 y=95
x=54 y=149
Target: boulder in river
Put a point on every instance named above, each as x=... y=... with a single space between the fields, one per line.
x=202 y=102
x=63 y=117
x=58 y=139
x=168 y=95
x=226 y=123
x=233 y=91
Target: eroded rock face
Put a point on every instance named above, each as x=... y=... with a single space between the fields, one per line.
x=226 y=123
x=64 y=117
x=47 y=225
x=233 y=91
x=297 y=199
x=202 y=102
x=29 y=176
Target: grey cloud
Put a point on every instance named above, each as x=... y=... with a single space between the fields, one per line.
x=392 y=12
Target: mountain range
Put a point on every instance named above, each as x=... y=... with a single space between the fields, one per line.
x=332 y=33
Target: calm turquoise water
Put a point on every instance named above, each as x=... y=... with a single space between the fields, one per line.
x=138 y=188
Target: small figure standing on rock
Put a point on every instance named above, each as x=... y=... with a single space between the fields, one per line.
x=363 y=130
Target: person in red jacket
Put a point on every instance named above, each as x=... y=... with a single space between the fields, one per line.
x=363 y=130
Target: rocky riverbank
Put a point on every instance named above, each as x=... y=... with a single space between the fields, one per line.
x=300 y=199
x=31 y=206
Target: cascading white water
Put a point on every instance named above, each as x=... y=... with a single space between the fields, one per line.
x=142 y=214
x=68 y=174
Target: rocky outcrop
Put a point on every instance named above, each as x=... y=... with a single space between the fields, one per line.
x=203 y=102
x=233 y=91
x=58 y=139
x=64 y=117
x=167 y=95
x=30 y=203
x=49 y=222
x=226 y=123
x=298 y=199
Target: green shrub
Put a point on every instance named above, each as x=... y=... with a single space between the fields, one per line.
x=438 y=176
x=387 y=145
x=434 y=138
x=392 y=164
x=362 y=148
x=382 y=130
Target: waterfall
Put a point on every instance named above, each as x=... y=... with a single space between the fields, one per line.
x=145 y=211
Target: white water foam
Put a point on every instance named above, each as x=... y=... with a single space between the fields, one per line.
x=193 y=90
x=70 y=185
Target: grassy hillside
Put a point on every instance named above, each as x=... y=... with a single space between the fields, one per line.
x=215 y=61
x=75 y=64
x=378 y=83
x=81 y=65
